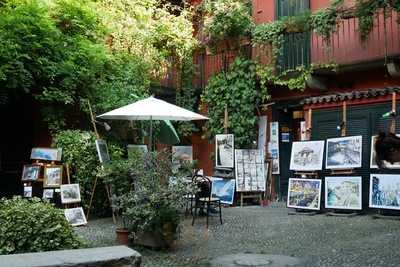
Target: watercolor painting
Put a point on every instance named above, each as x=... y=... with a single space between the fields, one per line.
x=343 y=192
x=304 y=193
x=344 y=152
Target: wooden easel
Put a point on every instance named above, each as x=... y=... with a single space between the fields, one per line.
x=108 y=191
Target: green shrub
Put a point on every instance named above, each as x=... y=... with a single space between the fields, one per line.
x=30 y=225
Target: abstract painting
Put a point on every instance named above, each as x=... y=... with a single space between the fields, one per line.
x=224 y=149
x=344 y=152
x=224 y=189
x=304 y=193
x=75 y=216
x=343 y=192
x=307 y=156
x=44 y=153
x=384 y=191
x=373 y=165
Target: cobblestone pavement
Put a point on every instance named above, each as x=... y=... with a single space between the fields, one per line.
x=318 y=240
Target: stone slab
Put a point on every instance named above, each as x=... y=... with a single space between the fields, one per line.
x=115 y=256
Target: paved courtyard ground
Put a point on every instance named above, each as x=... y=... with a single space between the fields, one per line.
x=317 y=240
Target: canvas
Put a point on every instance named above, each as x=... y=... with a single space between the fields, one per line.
x=48 y=193
x=30 y=172
x=134 y=149
x=28 y=191
x=344 y=152
x=181 y=154
x=43 y=153
x=75 y=216
x=343 y=192
x=304 y=193
x=273 y=146
x=307 y=156
x=384 y=191
x=395 y=165
x=224 y=146
x=224 y=189
x=102 y=150
x=70 y=193
x=250 y=170
x=52 y=176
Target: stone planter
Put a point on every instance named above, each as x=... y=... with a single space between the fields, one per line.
x=122 y=236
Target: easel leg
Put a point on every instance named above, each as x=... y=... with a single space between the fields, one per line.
x=108 y=190
x=91 y=198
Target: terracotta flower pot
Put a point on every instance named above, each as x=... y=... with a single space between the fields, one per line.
x=122 y=236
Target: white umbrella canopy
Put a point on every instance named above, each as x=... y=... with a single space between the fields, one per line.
x=151 y=109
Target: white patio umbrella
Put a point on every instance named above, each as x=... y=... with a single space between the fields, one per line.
x=151 y=109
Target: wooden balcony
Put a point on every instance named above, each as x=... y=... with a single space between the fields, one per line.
x=346 y=47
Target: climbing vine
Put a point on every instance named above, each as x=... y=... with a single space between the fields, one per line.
x=236 y=91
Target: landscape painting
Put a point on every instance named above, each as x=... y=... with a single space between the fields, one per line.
x=304 y=193
x=384 y=191
x=344 y=152
x=307 y=156
x=70 y=193
x=373 y=165
x=343 y=192
x=224 y=189
x=224 y=154
x=75 y=216
x=44 y=153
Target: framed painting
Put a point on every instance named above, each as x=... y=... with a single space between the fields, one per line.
x=344 y=152
x=181 y=154
x=224 y=150
x=307 y=156
x=384 y=191
x=31 y=172
x=343 y=192
x=224 y=189
x=28 y=191
x=70 y=193
x=304 y=193
x=48 y=193
x=45 y=153
x=52 y=176
x=75 y=216
x=373 y=165
x=102 y=150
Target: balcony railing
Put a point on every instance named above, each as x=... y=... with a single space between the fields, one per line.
x=346 y=48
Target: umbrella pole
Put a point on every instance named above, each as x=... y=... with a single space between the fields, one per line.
x=151 y=134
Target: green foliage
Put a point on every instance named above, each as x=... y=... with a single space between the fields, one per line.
x=270 y=33
x=30 y=225
x=324 y=22
x=227 y=19
x=237 y=91
x=80 y=153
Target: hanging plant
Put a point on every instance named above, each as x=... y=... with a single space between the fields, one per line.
x=324 y=23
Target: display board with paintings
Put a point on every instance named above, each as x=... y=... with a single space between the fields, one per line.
x=224 y=189
x=250 y=170
x=307 y=156
x=304 y=194
x=343 y=192
x=224 y=150
x=344 y=152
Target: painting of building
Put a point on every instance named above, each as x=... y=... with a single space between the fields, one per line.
x=304 y=193
x=344 y=152
x=307 y=156
x=384 y=191
x=343 y=192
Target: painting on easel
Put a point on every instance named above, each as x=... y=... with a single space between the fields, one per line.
x=304 y=193
x=102 y=150
x=343 y=192
x=384 y=191
x=44 y=153
x=307 y=156
x=224 y=150
x=344 y=152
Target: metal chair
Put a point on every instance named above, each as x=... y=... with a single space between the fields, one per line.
x=203 y=198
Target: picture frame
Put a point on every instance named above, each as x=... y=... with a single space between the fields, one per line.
x=48 y=193
x=224 y=150
x=52 y=176
x=31 y=172
x=307 y=156
x=388 y=165
x=70 y=193
x=224 y=189
x=384 y=190
x=344 y=152
x=75 y=216
x=102 y=150
x=46 y=153
x=28 y=191
x=304 y=193
x=343 y=192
